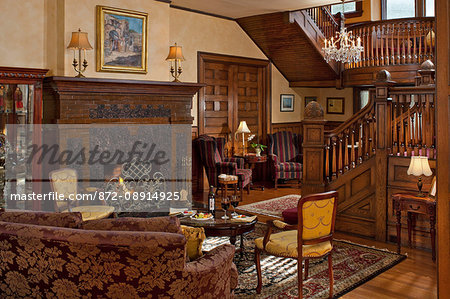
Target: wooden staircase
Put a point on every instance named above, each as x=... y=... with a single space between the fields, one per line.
x=368 y=155
x=293 y=41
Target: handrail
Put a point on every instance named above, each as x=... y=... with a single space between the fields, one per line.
x=351 y=143
x=324 y=20
x=395 y=42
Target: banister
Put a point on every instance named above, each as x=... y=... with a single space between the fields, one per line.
x=390 y=21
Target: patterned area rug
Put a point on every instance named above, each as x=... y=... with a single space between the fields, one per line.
x=272 y=207
x=353 y=265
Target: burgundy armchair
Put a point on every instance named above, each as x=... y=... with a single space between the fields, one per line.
x=285 y=156
x=212 y=156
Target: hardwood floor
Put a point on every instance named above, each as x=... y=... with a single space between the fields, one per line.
x=415 y=277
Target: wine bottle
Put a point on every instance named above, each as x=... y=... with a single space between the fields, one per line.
x=211 y=201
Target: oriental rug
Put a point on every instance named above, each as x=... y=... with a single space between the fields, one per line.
x=353 y=265
x=272 y=207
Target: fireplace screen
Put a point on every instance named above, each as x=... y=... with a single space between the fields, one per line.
x=133 y=168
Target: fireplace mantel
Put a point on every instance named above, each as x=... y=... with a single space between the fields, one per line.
x=88 y=100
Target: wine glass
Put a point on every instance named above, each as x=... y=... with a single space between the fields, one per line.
x=225 y=205
x=234 y=204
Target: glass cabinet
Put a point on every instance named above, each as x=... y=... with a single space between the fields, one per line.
x=20 y=104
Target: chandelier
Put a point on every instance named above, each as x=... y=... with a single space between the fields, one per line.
x=344 y=47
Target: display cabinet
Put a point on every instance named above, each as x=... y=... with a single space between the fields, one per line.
x=20 y=103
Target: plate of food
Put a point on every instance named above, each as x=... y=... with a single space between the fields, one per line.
x=202 y=216
x=188 y=213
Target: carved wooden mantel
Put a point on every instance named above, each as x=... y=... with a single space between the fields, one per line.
x=87 y=100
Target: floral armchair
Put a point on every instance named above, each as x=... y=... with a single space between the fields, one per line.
x=285 y=157
x=129 y=259
x=212 y=156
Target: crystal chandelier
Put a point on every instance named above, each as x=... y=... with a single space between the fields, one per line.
x=343 y=48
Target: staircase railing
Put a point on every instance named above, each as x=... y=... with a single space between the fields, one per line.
x=413 y=130
x=395 y=42
x=324 y=20
x=351 y=143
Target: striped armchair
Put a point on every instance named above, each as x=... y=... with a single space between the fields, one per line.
x=285 y=157
x=211 y=151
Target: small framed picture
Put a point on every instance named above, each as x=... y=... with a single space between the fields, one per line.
x=310 y=99
x=335 y=105
x=286 y=102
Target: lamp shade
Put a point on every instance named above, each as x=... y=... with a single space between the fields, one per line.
x=419 y=166
x=243 y=128
x=79 y=41
x=175 y=53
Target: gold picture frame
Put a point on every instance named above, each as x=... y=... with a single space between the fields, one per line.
x=121 y=40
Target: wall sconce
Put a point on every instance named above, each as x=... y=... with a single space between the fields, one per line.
x=175 y=55
x=419 y=166
x=79 y=42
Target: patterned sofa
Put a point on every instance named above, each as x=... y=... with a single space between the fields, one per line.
x=48 y=256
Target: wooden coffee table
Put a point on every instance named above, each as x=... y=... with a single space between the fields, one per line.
x=219 y=227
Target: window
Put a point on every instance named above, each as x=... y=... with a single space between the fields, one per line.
x=351 y=9
x=363 y=98
x=429 y=8
x=348 y=7
x=397 y=9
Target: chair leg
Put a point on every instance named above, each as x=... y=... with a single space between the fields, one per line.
x=306 y=268
x=300 y=277
x=330 y=274
x=258 y=269
x=276 y=184
x=248 y=188
x=242 y=193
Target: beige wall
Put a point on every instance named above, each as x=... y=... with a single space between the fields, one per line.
x=371 y=12
x=322 y=94
x=281 y=86
x=196 y=32
x=21 y=34
x=35 y=33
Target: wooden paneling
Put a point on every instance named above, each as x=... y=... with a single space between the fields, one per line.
x=443 y=150
x=237 y=88
x=288 y=46
x=297 y=128
x=402 y=74
x=357 y=205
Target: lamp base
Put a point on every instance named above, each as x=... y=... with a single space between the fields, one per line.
x=80 y=75
x=419 y=186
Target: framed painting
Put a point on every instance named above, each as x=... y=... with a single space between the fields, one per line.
x=286 y=102
x=121 y=40
x=335 y=105
x=310 y=99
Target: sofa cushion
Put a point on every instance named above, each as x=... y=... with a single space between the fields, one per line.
x=290 y=216
x=289 y=166
x=194 y=241
x=69 y=219
x=168 y=224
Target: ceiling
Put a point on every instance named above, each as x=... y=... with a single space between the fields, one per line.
x=244 y=8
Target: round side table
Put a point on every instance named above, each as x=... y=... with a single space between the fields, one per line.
x=224 y=186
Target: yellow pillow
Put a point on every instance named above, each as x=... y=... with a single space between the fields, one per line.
x=194 y=240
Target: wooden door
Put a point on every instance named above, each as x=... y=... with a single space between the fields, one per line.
x=237 y=89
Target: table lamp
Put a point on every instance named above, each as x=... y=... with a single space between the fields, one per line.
x=419 y=166
x=243 y=128
x=176 y=56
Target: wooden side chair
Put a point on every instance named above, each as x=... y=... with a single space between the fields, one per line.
x=312 y=237
x=65 y=181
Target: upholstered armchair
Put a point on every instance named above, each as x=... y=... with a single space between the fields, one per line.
x=64 y=182
x=285 y=157
x=211 y=151
x=311 y=238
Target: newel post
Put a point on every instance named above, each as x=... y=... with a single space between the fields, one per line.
x=383 y=139
x=313 y=149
